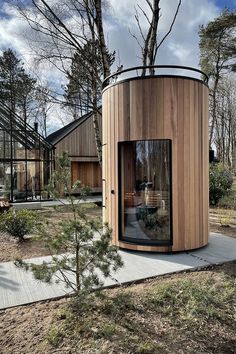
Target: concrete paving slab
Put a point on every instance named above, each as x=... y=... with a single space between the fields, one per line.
x=18 y=287
x=219 y=249
x=139 y=265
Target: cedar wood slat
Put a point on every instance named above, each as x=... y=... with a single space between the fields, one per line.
x=162 y=108
x=192 y=220
x=186 y=164
x=89 y=173
x=79 y=144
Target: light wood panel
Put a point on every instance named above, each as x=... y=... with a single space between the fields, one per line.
x=81 y=147
x=162 y=108
x=89 y=174
x=81 y=141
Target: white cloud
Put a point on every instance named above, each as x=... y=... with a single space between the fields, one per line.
x=10 y=28
x=15 y=33
x=182 y=53
x=180 y=48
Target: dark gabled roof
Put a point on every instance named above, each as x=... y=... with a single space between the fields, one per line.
x=61 y=133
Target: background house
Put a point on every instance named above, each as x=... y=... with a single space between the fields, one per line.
x=78 y=140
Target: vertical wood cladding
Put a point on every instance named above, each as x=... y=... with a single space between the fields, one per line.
x=80 y=142
x=89 y=173
x=161 y=108
x=81 y=147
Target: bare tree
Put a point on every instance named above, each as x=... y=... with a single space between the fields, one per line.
x=149 y=44
x=62 y=40
x=43 y=106
x=218 y=54
x=224 y=137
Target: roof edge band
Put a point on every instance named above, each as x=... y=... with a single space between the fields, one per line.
x=117 y=75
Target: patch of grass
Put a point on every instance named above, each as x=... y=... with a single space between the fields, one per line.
x=50 y=211
x=81 y=328
x=66 y=208
x=54 y=336
x=118 y=305
x=62 y=314
x=146 y=347
x=233 y=188
x=89 y=205
x=228 y=201
x=192 y=300
x=196 y=309
x=107 y=330
x=225 y=218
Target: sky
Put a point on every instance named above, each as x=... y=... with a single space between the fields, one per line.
x=181 y=47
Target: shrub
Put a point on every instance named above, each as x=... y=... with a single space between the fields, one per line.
x=17 y=223
x=220 y=182
x=228 y=201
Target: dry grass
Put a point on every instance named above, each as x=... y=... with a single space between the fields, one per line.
x=223 y=221
x=185 y=313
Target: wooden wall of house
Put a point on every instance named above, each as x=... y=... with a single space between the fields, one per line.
x=89 y=174
x=80 y=142
x=81 y=148
x=161 y=108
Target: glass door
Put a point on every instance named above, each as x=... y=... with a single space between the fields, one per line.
x=145 y=191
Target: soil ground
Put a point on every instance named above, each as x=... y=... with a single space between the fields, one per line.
x=222 y=221
x=185 y=313
x=31 y=247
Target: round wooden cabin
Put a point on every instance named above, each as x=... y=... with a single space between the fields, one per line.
x=155 y=159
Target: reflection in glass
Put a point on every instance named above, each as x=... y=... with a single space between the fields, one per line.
x=5 y=180
x=145 y=191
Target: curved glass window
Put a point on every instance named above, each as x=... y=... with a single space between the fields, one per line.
x=145 y=191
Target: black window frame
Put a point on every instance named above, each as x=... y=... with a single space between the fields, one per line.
x=120 y=218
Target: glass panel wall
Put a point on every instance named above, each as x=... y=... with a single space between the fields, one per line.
x=145 y=191
x=26 y=160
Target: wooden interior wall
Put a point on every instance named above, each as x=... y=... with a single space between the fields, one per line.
x=81 y=141
x=162 y=108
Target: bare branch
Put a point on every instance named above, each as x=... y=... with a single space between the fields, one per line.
x=136 y=38
x=170 y=29
x=60 y=23
x=144 y=14
x=150 y=5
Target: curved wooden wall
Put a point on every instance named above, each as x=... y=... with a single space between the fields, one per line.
x=161 y=108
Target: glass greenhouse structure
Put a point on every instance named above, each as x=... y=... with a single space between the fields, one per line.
x=26 y=159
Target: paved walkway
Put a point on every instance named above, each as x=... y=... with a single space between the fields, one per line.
x=18 y=287
x=45 y=203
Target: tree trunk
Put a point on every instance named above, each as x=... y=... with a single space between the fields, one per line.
x=101 y=38
x=97 y=136
x=214 y=106
x=152 y=41
x=145 y=51
x=234 y=155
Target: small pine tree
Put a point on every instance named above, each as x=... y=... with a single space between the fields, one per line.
x=88 y=253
